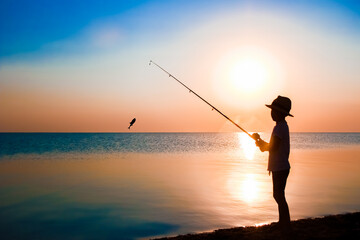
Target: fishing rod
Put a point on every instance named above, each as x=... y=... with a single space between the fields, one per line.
x=213 y=108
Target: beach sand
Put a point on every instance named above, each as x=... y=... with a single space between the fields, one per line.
x=344 y=226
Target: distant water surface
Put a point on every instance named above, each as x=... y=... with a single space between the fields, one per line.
x=141 y=185
x=14 y=143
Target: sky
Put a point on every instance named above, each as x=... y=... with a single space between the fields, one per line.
x=83 y=66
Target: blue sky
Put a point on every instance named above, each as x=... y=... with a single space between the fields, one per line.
x=28 y=26
x=83 y=65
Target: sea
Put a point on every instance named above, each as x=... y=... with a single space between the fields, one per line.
x=148 y=185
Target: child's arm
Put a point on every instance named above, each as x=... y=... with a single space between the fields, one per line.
x=264 y=146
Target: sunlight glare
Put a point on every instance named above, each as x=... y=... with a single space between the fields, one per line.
x=247 y=145
x=248 y=75
x=243 y=188
x=245 y=76
x=249 y=188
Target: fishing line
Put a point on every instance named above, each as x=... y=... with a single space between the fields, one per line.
x=191 y=91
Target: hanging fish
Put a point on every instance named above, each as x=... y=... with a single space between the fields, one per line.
x=132 y=123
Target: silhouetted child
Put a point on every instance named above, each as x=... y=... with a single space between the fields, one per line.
x=279 y=150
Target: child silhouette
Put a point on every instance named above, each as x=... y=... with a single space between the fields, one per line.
x=279 y=150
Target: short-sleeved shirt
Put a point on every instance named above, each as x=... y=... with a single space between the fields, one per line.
x=279 y=160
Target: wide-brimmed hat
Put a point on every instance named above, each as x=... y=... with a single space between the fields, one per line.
x=281 y=104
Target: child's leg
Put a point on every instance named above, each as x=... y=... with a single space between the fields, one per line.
x=279 y=183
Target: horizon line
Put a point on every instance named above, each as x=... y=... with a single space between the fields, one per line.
x=187 y=132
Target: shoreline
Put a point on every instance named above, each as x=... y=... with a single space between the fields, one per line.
x=340 y=226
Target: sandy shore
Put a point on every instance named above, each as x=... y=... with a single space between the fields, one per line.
x=344 y=226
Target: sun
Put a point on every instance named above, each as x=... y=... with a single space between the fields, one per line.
x=248 y=75
x=245 y=76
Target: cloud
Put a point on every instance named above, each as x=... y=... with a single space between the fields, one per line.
x=106 y=37
x=95 y=38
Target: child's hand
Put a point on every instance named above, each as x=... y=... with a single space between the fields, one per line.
x=262 y=145
x=259 y=142
x=255 y=136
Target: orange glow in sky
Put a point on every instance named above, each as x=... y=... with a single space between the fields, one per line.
x=236 y=57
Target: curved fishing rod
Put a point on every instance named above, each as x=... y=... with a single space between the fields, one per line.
x=213 y=108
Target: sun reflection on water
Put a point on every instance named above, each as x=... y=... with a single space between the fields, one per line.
x=247 y=145
x=243 y=182
x=244 y=187
x=250 y=188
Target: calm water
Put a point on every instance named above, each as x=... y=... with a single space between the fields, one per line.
x=130 y=186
